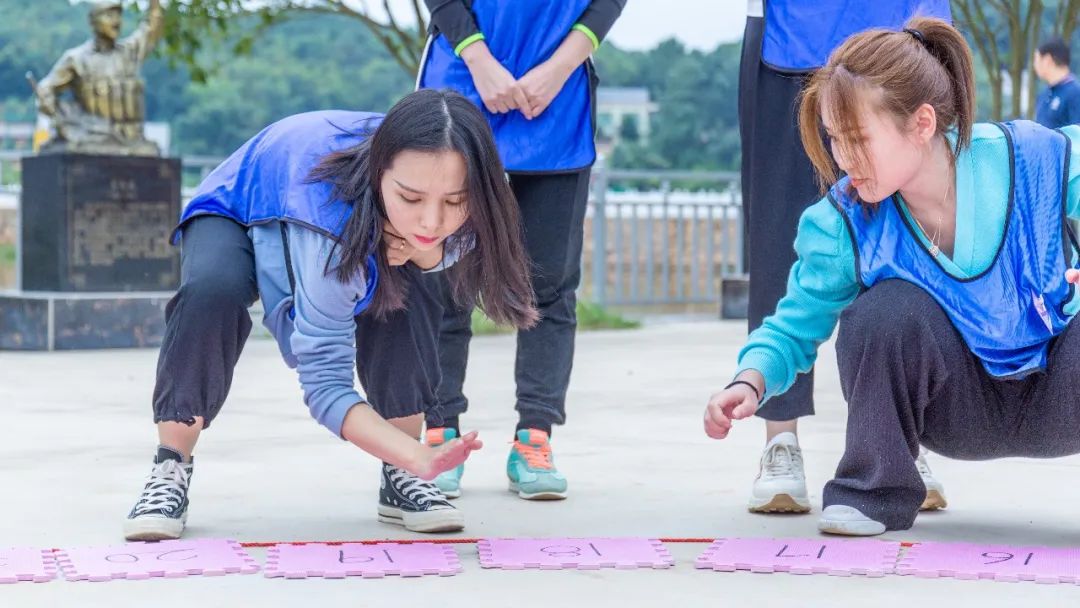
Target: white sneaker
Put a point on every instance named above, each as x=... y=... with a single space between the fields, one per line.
x=848 y=521
x=935 y=492
x=780 y=486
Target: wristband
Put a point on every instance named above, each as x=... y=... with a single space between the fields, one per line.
x=752 y=387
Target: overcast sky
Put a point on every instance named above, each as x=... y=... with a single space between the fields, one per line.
x=701 y=24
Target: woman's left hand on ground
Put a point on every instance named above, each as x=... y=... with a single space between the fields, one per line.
x=541 y=84
x=1072 y=275
x=448 y=455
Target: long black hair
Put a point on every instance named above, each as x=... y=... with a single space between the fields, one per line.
x=492 y=270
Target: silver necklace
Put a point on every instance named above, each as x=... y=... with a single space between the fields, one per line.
x=934 y=249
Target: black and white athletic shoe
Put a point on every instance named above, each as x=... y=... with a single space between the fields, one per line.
x=161 y=511
x=407 y=500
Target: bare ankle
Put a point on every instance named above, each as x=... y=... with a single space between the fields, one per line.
x=776 y=427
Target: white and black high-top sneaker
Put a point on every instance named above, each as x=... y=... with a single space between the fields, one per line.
x=161 y=511
x=407 y=500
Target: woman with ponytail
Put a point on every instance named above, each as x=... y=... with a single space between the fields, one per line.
x=945 y=256
x=333 y=219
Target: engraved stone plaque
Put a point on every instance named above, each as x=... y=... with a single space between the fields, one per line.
x=99 y=223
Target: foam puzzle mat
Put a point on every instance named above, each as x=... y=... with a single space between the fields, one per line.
x=365 y=560
x=168 y=558
x=580 y=553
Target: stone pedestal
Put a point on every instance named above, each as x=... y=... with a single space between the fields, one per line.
x=67 y=321
x=99 y=223
x=96 y=266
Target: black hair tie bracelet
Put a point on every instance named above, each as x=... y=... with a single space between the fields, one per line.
x=752 y=387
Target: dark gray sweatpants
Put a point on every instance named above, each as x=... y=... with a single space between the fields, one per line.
x=207 y=325
x=909 y=378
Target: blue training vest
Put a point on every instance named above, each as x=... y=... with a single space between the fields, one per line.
x=266 y=179
x=521 y=35
x=800 y=34
x=1008 y=313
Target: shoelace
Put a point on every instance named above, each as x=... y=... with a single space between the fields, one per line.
x=164 y=490
x=781 y=461
x=537 y=457
x=416 y=489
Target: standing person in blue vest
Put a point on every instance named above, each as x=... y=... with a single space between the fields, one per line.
x=945 y=257
x=526 y=64
x=785 y=42
x=1059 y=105
x=332 y=218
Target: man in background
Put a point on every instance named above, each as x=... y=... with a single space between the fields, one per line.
x=1059 y=105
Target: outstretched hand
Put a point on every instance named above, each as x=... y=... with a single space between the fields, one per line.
x=448 y=455
x=1072 y=275
x=730 y=404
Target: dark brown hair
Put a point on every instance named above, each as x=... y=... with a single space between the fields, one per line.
x=1057 y=49
x=928 y=62
x=492 y=270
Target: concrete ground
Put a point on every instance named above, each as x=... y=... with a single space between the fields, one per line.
x=76 y=442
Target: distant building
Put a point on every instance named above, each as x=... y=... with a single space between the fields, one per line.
x=622 y=112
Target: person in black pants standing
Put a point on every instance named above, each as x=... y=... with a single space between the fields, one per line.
x=526 y=64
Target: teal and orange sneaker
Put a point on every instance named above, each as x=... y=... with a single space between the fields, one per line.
x=448 y=482
x=531 y=468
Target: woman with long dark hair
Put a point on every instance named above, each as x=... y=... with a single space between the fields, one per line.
x=332 y=219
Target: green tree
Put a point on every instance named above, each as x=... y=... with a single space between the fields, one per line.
x=628 y=129
x=696 y=126
x=310 y=63
x=313 y=60
x=194 y=26
x=1004 y=35
x=32 y=36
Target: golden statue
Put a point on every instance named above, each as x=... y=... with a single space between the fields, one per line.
x=103 y=74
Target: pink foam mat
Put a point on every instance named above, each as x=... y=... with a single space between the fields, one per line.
x=365 y=560
x=580 y=553
x=801 y=556
x=994 y=562
x=19 y=564
x=168 y=558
